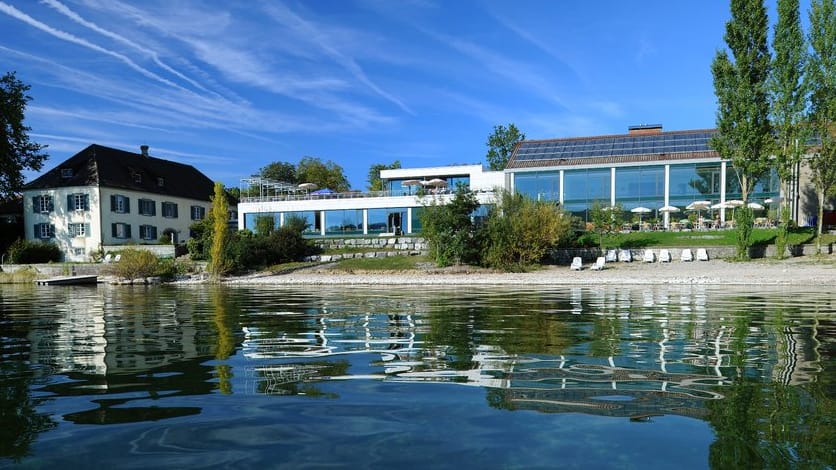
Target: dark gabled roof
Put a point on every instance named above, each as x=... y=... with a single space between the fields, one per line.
x=611 y=149
x=107 y=167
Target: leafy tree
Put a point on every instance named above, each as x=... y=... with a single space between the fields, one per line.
x=520 y=231
x=744 y=134
x=279 y=171
x=821 y=79
x=449 y=229
x=375 y=183
x=605 y=220
x=17 y=153
x=501 y=145
x=787 y=103
x=218 y=263
x=323 y=174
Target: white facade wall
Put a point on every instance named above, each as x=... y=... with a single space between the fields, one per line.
x=100 y=218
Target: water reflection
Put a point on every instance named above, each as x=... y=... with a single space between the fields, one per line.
x=758 y=366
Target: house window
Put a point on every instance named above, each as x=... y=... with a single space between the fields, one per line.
x=66 y=173
x=198 y=213
x=161 y=182
x=78 y=251
x=42 y=204
x=169 y=209
x=147 y=207
x=79 y=230
x=147 y=232
x=78 y=202
x=120 y=204
x=44 y=231
x=120 y=230
x=137 y=177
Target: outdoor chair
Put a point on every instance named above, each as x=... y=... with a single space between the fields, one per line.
x=117 y=258
x=649 y=257
x=612 y=256
x=625 y=255
x=664 y=256
x=577 y=264
x=687 y=255
x=702 y=254
x=108 y=258
x=599 y=263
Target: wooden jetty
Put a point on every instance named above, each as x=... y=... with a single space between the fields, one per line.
x=68 y=280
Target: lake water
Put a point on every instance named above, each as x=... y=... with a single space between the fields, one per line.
x=363 y=377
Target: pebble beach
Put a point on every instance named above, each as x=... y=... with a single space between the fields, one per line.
x=802 y=271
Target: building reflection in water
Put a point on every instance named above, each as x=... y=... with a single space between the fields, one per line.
x=625 y=352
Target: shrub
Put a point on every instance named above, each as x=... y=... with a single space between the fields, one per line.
x=449 y=229
x=25 y=251
x=521 y=231
x=744 y=221
x=134 y=264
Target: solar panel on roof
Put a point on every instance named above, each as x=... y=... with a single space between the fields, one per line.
x=615 y=146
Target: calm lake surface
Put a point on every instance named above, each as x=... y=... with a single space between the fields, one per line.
x=312 y=377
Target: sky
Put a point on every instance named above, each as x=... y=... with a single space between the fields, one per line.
x=230 y=86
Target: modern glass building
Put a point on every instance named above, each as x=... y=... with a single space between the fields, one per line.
x=644 y=168
x=396 y=210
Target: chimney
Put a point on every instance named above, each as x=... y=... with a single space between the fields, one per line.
x=644 y=129
x=144 y=150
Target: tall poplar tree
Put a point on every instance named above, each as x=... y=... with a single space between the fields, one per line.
x=821 y=80
x=744 y=134
x=787 y=104
x=218 y=264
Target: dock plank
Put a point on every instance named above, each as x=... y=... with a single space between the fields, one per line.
x=68 y=280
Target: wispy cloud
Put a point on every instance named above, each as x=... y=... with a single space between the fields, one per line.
x=19 y=15
x=314 y=34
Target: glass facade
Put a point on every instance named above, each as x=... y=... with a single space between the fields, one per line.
x=581 y=188
x=387 y=220
x=694 y=182
x=344 y=222
x=538 y=185
x=640 y=186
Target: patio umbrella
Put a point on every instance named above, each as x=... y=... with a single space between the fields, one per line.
x=754 y=206
x=437 y=182
x=640 y=210
x=307 y=186
x=698 y=206
x=670 y=209
x=410 y=183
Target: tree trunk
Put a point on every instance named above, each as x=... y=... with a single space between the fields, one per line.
x=819 y=222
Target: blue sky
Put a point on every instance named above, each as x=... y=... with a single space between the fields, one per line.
x=229 y=86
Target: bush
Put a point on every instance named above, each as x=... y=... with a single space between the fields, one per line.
x=450 y=231
x=285 y=244
x=135 y=264
x=521 y=231
x=25 y=251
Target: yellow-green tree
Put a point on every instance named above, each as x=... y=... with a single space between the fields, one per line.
x=218 y=264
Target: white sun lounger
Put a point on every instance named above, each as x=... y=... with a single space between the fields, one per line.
x=577 y=264
x=649 y=256
x=612 y=256
x=625 y=255
x=664 y=256
x=702 y=255
x=599 y=263
x=687 y=255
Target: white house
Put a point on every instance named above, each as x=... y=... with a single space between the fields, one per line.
x=103 y=198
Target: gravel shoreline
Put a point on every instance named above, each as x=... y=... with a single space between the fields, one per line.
x=807 y=271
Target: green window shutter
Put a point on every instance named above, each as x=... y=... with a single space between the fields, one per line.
x=154 y=232
x=113 y=204
x=70 y=201
x=113 y=230
x=87 y=202
x=127 y=230
x=127 y=205
x=51 y=231
x=86 y=230
x=51 y=204
x=175 y=210
x=35 y=204
x=37 y=231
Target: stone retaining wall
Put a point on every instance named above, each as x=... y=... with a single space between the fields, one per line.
x=380 y=247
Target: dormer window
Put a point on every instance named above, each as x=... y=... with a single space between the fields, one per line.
x=161 y=182
x=137 y=177
x=66 y=172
